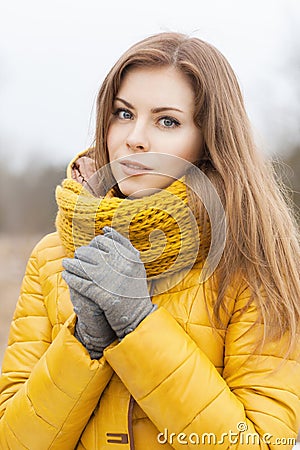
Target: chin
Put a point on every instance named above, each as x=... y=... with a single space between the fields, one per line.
x=134 y=187
x=137 y=193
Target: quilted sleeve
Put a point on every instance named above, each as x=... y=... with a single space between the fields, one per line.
x=254 y=404
x=48 y=389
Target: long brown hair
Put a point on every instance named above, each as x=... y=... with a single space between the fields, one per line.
x=262 y=238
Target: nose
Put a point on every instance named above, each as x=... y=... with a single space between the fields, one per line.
x=137 y=139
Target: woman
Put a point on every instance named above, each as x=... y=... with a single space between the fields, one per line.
x=174 y=341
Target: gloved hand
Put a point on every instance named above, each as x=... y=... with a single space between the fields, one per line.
x=109 y=272
x=92 y=328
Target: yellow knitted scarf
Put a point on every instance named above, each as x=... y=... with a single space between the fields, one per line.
x=161 y=226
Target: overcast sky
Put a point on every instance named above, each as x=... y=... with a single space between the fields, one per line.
x=55 y=54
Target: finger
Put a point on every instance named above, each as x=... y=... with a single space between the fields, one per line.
x=104 y=255
x=72 y=265
x=92 y=255
x=75 y=283
x=100 y=243
x=110 y=247
x=79 y=268
x=113 y=234
x=82 y=302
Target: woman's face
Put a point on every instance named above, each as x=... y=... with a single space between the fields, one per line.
x=152 y=135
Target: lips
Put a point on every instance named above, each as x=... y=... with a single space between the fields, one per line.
x=134 y=168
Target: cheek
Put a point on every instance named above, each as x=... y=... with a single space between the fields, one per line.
x=194 y=149
x=116 y=139
x=111 y=141
x=189 y=146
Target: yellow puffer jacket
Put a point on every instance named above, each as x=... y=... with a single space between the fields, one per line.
x=184 y=377
x=172 y=382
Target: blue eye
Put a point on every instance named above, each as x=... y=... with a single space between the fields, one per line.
x=123 y=114
x=169 y=122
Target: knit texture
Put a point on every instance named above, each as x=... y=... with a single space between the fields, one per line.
x=161 y=226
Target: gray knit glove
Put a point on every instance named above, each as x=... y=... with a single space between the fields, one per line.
x=109 y=272
x=92 y=328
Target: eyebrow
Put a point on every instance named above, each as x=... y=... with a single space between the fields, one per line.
x=153 y=110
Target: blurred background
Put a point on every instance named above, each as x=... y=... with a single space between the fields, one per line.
x=54 y=56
